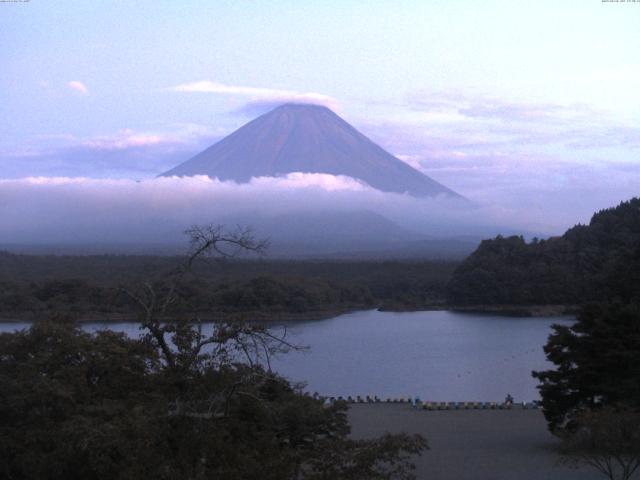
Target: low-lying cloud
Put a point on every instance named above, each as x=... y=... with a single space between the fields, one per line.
x=50 y=210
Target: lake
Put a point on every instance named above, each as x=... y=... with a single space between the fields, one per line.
x=435 y=355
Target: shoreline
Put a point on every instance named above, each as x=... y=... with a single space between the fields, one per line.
x=311 y=315
x=255 y=316
x=518 y=310
x=501 y=310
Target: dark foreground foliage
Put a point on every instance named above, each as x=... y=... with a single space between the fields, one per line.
x=592 y=398
x=597 y=364
x=607 y=439
x=80 y=406
x=178 y=403
x=589 y=263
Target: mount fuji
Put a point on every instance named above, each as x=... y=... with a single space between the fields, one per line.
x=310 y=139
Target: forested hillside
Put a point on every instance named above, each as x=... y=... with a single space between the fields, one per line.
x=88 y=287
x=589 y=263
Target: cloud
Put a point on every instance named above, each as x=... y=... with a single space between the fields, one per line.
x=125 y=153
x=258 y=96
x=461 y=106
x=611 y=136
x=126 y=139
x=466 y=140
x=84 y=210
x=554 y=163
x=78 y=86
x=300 y=180
x=536 y=170
x=62 y=209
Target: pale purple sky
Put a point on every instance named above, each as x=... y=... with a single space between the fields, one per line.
x=528 y=108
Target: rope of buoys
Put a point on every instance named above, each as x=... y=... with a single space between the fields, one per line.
x=429 y=405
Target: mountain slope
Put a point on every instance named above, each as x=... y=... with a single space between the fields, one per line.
x=310 y=139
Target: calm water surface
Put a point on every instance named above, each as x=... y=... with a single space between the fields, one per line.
x=436 y=355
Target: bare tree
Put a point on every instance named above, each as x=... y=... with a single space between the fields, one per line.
x=607 y=439
x=182 y=342
x=214 y=239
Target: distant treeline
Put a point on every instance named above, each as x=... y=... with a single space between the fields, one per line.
x=90 y=286
x=589 y=263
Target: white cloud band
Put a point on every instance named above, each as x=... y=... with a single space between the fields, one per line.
x=257 y=94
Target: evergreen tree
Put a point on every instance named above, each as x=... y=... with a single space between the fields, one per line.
x=597 y=364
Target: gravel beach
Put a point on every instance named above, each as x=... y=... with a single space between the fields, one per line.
x=472 y=444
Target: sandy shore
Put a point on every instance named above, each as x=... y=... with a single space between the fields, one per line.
x=472 y=444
